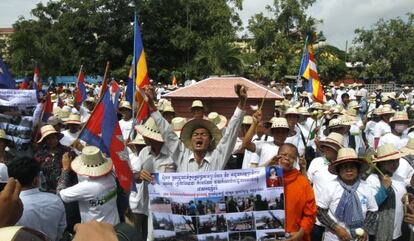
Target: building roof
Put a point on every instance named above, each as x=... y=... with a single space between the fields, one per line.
x=223 y=87
x=6 y=30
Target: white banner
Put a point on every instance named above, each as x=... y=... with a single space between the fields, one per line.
x=9 y=97
x=221 y=205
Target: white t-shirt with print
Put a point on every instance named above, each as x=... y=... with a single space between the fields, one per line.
x=332 y=195
x=97 y=199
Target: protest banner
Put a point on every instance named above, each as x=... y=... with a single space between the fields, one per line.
x=16 y=115
x=220 y=205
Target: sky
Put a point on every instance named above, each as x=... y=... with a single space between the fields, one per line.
x=340 y=17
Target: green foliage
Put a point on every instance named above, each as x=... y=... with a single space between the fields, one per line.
x=386 y=50
x=68 y=33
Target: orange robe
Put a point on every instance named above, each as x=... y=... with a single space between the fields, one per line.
x=300 y=204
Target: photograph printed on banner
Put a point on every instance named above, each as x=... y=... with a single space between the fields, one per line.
x=210 y=205
x=163 y=235
x=243 y=203
x=245 y=236
x=160 y=204
x=273 y=199
x=154 y=182
x=183 y=206
x=211 y=224
x=213 y=237
x=274 y=177
x=274 y=219
x=185 y=227
x=270 y=235
x=162 y=221
x=240 y=221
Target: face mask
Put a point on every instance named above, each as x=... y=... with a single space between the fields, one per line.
x=400 y=128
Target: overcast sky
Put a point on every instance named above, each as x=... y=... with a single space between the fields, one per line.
x=340 y=17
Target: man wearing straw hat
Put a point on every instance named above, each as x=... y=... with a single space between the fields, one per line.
x=398 y=123
x=198 y=110
x=383 y=127
x=126 y=122
x=388 y=190
x=201 y=147
x=97 y=192
x=71 y=134
x=347 y=206
x=154 y=157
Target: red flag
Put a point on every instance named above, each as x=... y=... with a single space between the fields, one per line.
x=36 y=82
x=47 y=108
x=81 y=94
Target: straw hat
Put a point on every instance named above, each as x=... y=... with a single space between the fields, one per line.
x=54 y=120
x=63 y=96
x=379 y=87
x=247 y=120
x=303 y=111
x=386 y=110
x=278 y=103
x=73 y=119
x=387 y=152
x=168 y=108
x=193 y=124
x=53 y=97
x=385 y=98
x=328 y=94
x=316 y=106
x=331 y=84
x=48 y=130
x=353 y=104
x=197 y=104
x=219 y=120
x=347 y=119
x=288 y=93
x=150 y=130
x=138 y=140
x=333 y=140
x=292 y=111
x=341 y=85
x=90 y=99
x=346 y=155
x=409 y=148
x=400 y=116
x=304 y=94
x=125 y=105
x=178 y=124
x=279 y=122
x=91 y=163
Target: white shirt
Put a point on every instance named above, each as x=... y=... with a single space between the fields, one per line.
x=369 y=132
x=320 y=177
x=339 y=93
x=332 y=195
x=68 y=137
x=146 y=160
x=364 y=92
x=97 y=199
x=297 y=141
x=126 y=127
x=352 y=93
x=213 y=160
x=404 y=172
x=84 y=114
x=266 y=151
x=398 y=141
x=381 y=128
x=44 y=212
x=400 y=190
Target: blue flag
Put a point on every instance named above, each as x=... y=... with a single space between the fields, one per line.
x=6 y=80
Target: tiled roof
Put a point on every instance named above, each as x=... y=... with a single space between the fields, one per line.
x=223 y=87
x=6 y=30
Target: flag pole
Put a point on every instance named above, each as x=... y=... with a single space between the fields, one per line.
x=298 y=77
x=134 y=74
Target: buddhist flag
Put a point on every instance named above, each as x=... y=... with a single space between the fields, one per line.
x=309 y=71
x=139 y=74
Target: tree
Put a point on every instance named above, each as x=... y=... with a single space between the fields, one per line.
x=386 y=49
x=279 y=40
x=68 y=33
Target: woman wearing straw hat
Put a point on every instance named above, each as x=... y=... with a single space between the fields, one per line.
x=319 y=175
x=201 y=147
x=49 y=155
x=348 y=203
x=97 y=192
x=398 y=123
x=388 y=190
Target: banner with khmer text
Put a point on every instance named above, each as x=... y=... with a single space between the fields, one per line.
x=221 y=205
